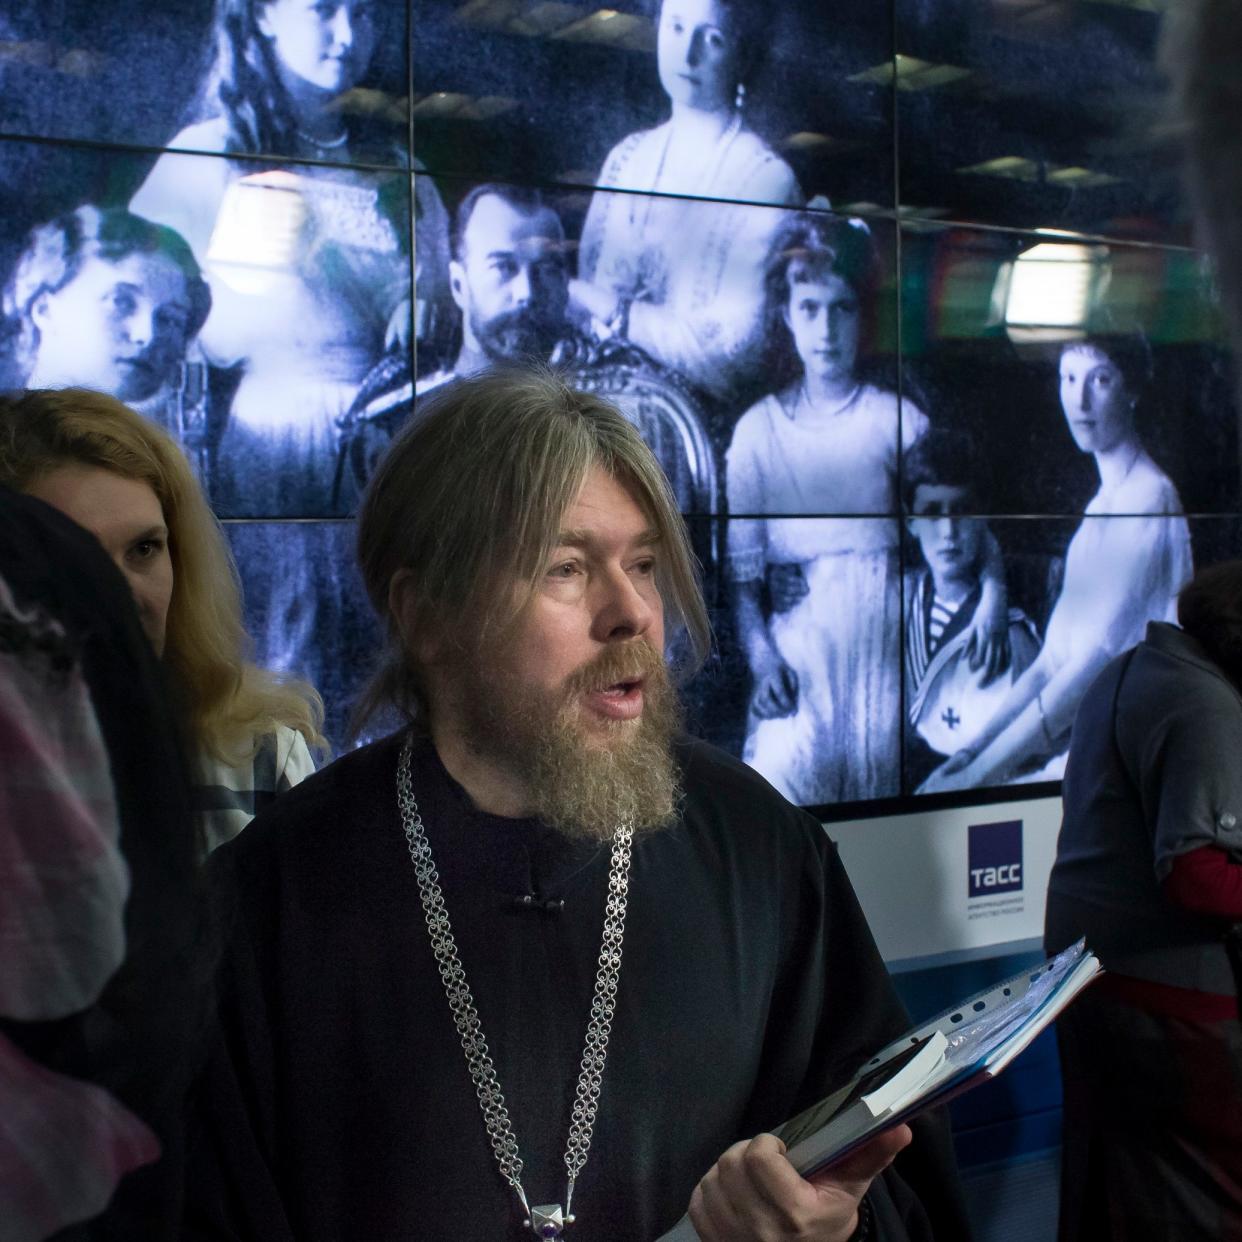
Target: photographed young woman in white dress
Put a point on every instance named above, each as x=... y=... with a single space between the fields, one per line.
x=308 y=275
x=680 y=277
x=1124 y=567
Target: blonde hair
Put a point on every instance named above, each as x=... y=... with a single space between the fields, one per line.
x=231 y=702
x=473 y=492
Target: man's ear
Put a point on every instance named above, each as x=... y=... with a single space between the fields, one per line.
x=403 y=608
x=457 y=284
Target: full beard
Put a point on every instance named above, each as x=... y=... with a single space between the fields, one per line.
x=517 y=336
x=587 y=777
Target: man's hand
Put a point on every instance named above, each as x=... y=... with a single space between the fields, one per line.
x=753 y=1194
x=987 y=648
x=787 y=585
x=593 y=302
x=988 y=645
x=397 y=333
x=775 y=692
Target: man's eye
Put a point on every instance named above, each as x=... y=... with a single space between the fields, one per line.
x=121 y=301
x=566 y=569
x=646 y=567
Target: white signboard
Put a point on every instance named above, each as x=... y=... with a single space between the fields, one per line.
x=940 y=886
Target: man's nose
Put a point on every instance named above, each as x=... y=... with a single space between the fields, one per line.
x=520 y=286
x=624 y=610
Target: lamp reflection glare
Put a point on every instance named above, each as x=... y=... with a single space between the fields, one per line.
x=1049 y=289
x=258 y=232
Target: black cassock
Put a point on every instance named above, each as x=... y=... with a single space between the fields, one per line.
x=339 y=1106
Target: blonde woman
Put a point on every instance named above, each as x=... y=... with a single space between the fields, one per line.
x=126 y=481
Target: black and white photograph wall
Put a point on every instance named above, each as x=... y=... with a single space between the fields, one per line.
x=718 y=99
x=245 y=308
x=285 y=78
x=902 y=298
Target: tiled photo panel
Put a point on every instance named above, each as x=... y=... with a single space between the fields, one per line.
x=1062 y=361
x=1037 y=114
x=1077 y=593
x=740 y=338
x=291 y=79
x=934 y=479
x=722 y=99
x=308 y=615
x=807 y=685
x=260 y=313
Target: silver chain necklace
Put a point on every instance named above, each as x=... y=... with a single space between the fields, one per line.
x=547 y=1220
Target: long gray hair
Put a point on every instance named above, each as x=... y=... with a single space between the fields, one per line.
x=471 y=496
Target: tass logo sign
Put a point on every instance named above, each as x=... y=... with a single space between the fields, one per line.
x=995 y=858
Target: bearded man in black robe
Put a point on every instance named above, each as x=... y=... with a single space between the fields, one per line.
x=429 y=933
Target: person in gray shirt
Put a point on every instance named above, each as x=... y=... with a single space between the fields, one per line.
x=1149 y=869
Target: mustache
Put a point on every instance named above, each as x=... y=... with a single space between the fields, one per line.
x=532 y=325
x=622 y=662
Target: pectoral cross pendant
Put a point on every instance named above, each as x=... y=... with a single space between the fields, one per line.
x=548 y=1220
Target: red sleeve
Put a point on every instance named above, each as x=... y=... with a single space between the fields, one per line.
x=1206 y=881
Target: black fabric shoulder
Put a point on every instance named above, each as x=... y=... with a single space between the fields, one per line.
x=751 y=803
x=341 y=798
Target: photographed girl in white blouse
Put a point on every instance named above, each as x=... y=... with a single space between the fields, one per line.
x=824 y=655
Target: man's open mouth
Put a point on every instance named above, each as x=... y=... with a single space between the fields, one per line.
x=619 y=688
x=622 y=700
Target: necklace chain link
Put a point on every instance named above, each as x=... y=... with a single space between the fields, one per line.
x=466 y=1016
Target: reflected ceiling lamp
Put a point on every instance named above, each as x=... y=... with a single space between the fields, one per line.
x=1047 y=293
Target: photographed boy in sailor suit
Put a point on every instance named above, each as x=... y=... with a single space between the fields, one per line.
x=948 y=698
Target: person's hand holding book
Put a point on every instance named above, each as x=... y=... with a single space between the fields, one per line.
x=753 y=1192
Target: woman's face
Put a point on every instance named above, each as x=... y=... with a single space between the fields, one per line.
x=118 y=326
x=1098 y=406
x=125 y=515
x=324 y=43
x=696 y=51
x=825 y=319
